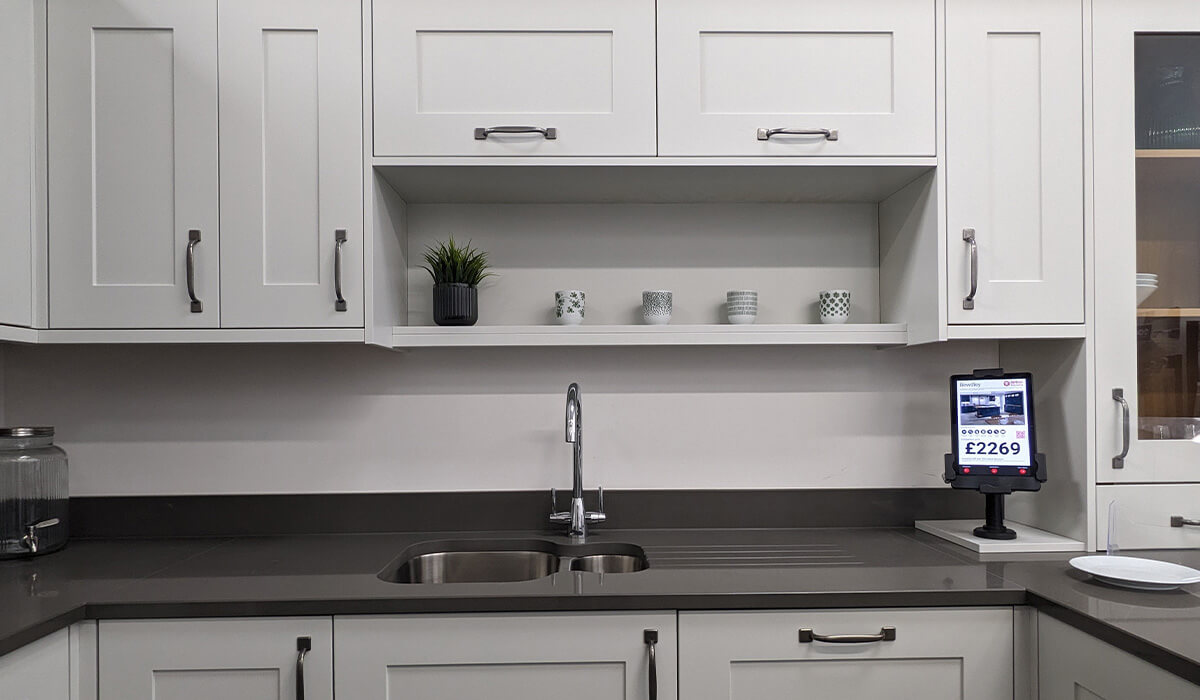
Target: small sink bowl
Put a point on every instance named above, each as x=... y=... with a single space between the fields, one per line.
x=609 y=563
x=473 y=561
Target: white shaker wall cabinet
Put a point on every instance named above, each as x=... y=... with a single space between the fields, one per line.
x=445 y=70
x=588 y=656
x=22 y=184
x=1077 y=666
x=291 y=163
x=40 y=670
x=133 y=164
x=935 y=654
x=247 y=659
x=730 y=71
x=1014 y=159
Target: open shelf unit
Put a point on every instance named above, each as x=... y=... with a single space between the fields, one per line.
x=693 y=334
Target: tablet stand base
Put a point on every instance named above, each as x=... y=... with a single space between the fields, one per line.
x=993 y=525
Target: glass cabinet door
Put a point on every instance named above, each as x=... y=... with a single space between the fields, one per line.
x=1146 y=97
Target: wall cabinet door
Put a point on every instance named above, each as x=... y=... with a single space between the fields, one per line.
x=291 y=163
x=589 y=656
x=445 y=69
x=1147 y=183
x=1077 y=666
x=939 y=654
x=246 y=659
x=728 y=71
x=40 y=670
x=1014 y=155
x=133 y=163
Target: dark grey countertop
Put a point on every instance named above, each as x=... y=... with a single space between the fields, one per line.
x=689 y=570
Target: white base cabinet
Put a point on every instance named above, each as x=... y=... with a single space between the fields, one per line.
x=583 y=656
x=224 y=659
x=1074 y=665
x=37 y=671
x=950 y=654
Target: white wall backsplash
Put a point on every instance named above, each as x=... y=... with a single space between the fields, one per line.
x=304 y=419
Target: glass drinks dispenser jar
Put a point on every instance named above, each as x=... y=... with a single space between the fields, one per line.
x=33 y=492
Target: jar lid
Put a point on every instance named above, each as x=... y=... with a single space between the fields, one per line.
x=41 y=431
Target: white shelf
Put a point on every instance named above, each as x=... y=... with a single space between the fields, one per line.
x=649 y=180
x=17 y=334
x=533 y=336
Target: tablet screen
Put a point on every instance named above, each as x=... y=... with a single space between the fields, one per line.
x=991 y=428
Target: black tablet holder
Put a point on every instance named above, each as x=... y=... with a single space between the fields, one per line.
x=995 y=487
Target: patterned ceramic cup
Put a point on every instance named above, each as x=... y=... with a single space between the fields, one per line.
x=741 y=305
x=835 y=305
x=657 y=306
x=568 y=306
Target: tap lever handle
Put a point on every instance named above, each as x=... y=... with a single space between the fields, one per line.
x=600 y=492
x=553 y=501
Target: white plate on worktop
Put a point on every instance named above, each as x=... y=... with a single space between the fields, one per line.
x=1135 y=572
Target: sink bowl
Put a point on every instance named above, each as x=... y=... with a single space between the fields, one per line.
x=473 y=561
x=507 y=561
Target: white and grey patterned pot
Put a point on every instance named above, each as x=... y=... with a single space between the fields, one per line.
x=741 y=306
x=835 y=305
x=657 y=306
x=568 y=306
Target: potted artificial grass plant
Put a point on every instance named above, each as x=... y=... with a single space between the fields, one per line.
x=457 y=272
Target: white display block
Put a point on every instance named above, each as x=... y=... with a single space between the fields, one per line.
x=1029 y=539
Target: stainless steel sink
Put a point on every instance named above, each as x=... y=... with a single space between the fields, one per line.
x=506 y=561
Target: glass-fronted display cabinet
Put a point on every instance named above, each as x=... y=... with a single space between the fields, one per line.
x=1146 y=98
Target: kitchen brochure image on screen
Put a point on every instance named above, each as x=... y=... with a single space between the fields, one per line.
x=992 y=425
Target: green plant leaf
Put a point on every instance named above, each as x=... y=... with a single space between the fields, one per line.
x=449 y=263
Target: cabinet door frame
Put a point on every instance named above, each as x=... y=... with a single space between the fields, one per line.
x=78 y=297
x=132 y=651
x=320 y=190
x=1114 y=25
x=984 y=159
x=687 y=128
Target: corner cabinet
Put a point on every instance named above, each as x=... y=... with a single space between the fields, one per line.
x=247 y=659
x=587 y=656
x=135 y=236
x=1147 y=182
x=40 y=670
x=942 y=654
x=1014 y=161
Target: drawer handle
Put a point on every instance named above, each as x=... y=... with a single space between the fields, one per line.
x=969 y=237
x=548 y=132
x=303 y=646
x=766 y=134
x=651 y=639
x=193 y=239
x=1180 y=521
x=1118 y=462
x=339 y=303
x=886 y=634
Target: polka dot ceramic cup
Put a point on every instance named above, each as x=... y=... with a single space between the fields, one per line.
x=657 y=307
x=835 y=305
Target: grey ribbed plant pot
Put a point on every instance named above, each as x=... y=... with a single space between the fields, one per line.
x=455 y=304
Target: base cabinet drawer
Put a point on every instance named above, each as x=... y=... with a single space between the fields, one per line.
x=944 y=654
x=1076 y=666
x=582 y=656
x=1140 y=516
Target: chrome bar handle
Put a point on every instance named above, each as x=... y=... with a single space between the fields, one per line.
x=1180 y=521
x=969 y=237
x=766 y=134
x=1118 y=462
x=548 y=132
x=193 y=239
x=30 y=540
x=303 y=646
x=339 y=303
x=651 y=639
x=886 y=634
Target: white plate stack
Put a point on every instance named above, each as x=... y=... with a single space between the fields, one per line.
x=1147 y=284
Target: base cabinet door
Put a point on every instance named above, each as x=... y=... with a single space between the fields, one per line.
x=1074 y=665
x=216 y=659
x=291 y=163
x=37 y=671
x=132 y=97
x=1014 y=156
x=583 y=656
x=944 y=654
